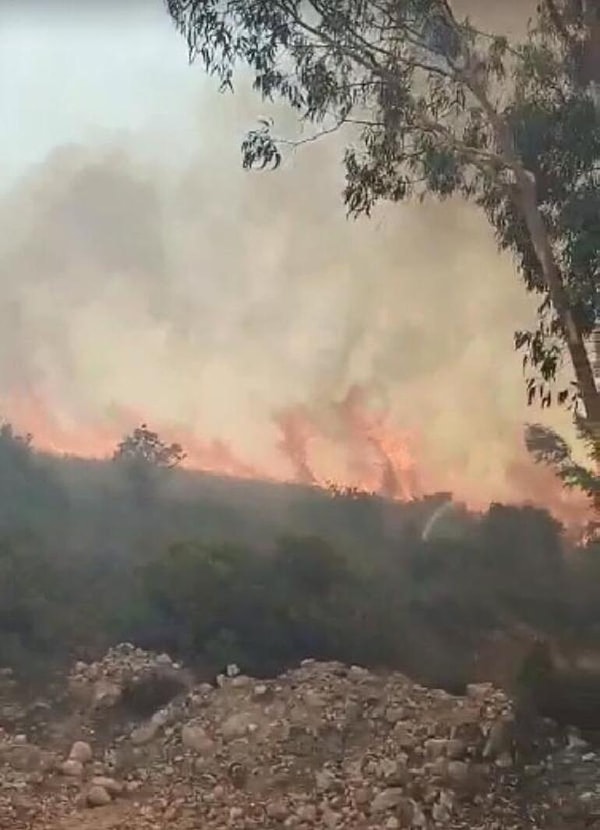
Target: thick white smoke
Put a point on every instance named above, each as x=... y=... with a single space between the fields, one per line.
x=140 y=282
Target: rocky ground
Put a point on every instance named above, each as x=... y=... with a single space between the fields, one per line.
x=134 y=743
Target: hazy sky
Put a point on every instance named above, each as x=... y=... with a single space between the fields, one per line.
x=85 y=76
x=146 y=276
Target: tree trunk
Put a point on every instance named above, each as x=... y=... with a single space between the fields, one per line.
x=538 y=233
x=590 y=57
x=580 y=358
x=589 y=11
x=575 y=340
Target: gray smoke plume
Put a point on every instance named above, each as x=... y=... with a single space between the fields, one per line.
x=204 y=300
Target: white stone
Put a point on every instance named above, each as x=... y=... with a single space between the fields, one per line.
x=98 y=797
x=81 y=751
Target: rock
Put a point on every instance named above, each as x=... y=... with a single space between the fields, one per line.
x=26 y=758
x=436 y=747
x=402 y=736
x=362 y=796
x=330 y=818
x=242 y=681
x=438 y=768
x=418 y=819
x=314 y=700
x=393 y=772
x=456 y=749
x=500 y=739
x=321 y=746
x=218 y=792
x=443 y=806
x=161 y=718
x=505 y=760
x=574 y=739
x=307 y=812
x=457 y=772
x=325 y=781
x=479 y=691
x=277 y=810
x=98 y=797
x=142 y=680
x=352 y=712
x=440 y=813
x=394 y=714
x=358 y=673
x=196 y=739
x=145 y=733
x=171 y=813
x=465 y=779
x=238 y=774
x=81 y=751
x=72 y=768
x=105 y=694
x=387 y=800
x=261 y=690
x=236 y=726
x=112 y=787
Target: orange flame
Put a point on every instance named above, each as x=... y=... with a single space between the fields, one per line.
x=29 y=414
x=216 y=457
x=396 y=465
x=377 y=457
x=297 y=431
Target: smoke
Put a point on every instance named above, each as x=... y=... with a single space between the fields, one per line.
x=213 y=303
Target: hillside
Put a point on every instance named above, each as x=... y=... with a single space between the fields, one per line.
x=214 y=571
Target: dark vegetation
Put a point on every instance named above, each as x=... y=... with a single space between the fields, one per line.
x=220 y=571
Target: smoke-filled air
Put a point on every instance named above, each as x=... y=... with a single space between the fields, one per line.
x=147 y=277
x=282 y=543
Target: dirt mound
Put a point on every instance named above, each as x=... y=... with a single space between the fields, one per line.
x=136 y=680
x=325 y=745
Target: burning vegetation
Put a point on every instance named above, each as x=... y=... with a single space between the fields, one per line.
x=349 y=446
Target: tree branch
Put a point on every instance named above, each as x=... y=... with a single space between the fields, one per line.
x=559 y=24
x=542 y=245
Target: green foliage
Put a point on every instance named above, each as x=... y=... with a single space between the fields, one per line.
x=431 y=105
x=547 y=447
x=364 y=589
x=145 y=448
x=309 y=566
x=198 y=584
x=36 y=606
x=29 y=497
x=226 y=601
x=523 y=559
x=144 y=458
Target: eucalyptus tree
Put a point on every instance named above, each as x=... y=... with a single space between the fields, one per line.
x=435 y=106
